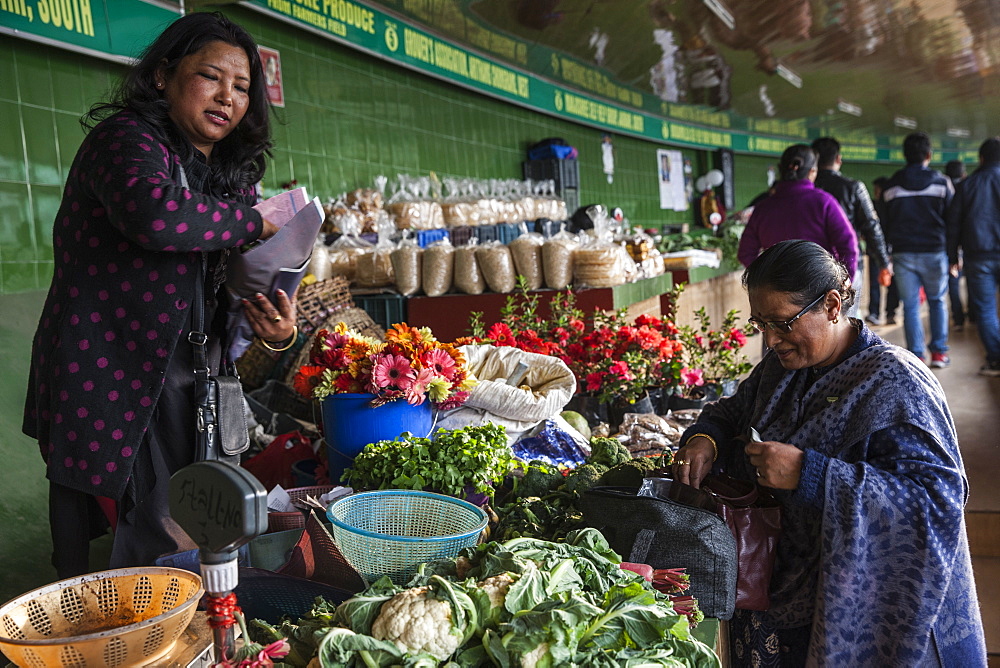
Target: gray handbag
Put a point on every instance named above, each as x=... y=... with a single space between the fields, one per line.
x=666 y=534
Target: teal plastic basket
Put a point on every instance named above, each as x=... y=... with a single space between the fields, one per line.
x=392 y=531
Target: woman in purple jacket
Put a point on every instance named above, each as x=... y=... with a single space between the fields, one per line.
x=799 y=210
x=160 y=192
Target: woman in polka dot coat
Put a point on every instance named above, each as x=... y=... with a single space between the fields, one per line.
x=159 y=193
x=854 y=436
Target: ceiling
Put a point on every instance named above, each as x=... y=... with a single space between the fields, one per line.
x=876 y=66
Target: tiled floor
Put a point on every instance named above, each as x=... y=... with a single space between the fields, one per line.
x=975 y=405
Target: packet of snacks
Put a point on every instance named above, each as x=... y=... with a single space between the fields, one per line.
x=438 y=268
x=469 y=277
x=527 y=253
x=411 y=205
x=374 y=266
x=557 y=258
x=600 y=262
x=460 y=208
x=407 y=258
x=346 y=249
x=497 y=265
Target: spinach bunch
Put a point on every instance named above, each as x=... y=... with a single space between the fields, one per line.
x=457 y=462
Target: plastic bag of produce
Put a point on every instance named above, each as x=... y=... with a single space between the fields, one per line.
x=557 y=259
x=541 y=394
x=412 y=207
x=497 y=266
x=374 y=267
x=407 y=259
x=527 y=254
x=438 y=268
x=346 y=249
x=468 y=275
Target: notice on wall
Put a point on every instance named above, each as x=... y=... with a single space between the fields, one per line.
x=270 y=59
x=670 y=174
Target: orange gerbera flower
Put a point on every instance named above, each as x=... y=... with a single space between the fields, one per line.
x=403 y=333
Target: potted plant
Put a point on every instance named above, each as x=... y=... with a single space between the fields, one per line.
x=712 y=360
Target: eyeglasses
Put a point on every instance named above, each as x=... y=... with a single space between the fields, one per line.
x=784 y=326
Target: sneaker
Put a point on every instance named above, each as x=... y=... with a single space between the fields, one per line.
x=890 y=320
x=873 y=319
x=991 y=369
x=940 y=360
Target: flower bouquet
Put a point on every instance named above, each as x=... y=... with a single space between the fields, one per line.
x=411 y=365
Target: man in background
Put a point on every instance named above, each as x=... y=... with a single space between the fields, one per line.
x=916 y=200
x=859 y=209
x=874 y=286
x=974 y=226
x=955 y=170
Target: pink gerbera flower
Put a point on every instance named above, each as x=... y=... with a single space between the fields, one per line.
x=440 y=362
x=417 y=392
x=392 y=371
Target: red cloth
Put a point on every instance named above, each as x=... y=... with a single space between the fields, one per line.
x=273 y=465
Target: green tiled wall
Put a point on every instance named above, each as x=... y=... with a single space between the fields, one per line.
x=348 y=117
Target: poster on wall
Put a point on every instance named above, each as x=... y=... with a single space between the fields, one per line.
x=670 y=174
x=270 y=59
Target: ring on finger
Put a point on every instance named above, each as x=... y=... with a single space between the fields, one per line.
x=276 y=318
x=682 y=462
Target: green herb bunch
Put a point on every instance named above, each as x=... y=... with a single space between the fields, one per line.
x=456 y=462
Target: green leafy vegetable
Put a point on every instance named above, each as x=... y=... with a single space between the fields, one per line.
x=456 y=462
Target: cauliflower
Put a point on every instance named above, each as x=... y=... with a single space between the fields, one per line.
x=496 y=588
x=436 y=619
x=417 y=622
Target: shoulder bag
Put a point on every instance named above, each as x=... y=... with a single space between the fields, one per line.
x=753 y=516
x=221 y=431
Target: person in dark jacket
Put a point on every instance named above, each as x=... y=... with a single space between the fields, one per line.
x=858 y=207
x=874 y=286
x=974 y=227
x=916 y=200
x=159 y=193
x=955 y=170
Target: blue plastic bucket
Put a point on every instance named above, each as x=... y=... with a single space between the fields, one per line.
x=350 y=423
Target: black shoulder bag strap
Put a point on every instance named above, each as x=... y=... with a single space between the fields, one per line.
x=221 y=426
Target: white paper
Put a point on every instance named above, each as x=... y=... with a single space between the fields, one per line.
x=278 y=501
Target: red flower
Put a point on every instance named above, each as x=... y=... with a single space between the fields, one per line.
x=500 y=334
x=595 y=380
x=307 y=379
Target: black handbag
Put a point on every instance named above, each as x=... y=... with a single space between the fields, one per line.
x=666 y=534
x=221 y=432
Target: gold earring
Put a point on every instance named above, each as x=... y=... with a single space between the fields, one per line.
x=159 y=85
x=836 y=320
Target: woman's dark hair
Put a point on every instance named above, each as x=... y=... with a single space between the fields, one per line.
x=796 y=162
x=238 y=161
x=803 y=269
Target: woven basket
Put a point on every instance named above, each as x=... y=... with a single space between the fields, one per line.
x=122 y=617
x=316 y=301
x=295 y=519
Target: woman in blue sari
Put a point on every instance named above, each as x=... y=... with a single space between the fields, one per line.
x=857 y=441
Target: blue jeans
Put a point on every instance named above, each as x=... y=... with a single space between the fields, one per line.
x=929 y=270
x=982 y=278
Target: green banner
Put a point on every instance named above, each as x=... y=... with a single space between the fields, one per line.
x=115 y=29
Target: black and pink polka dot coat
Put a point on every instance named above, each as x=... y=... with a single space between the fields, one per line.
x=127 y=244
